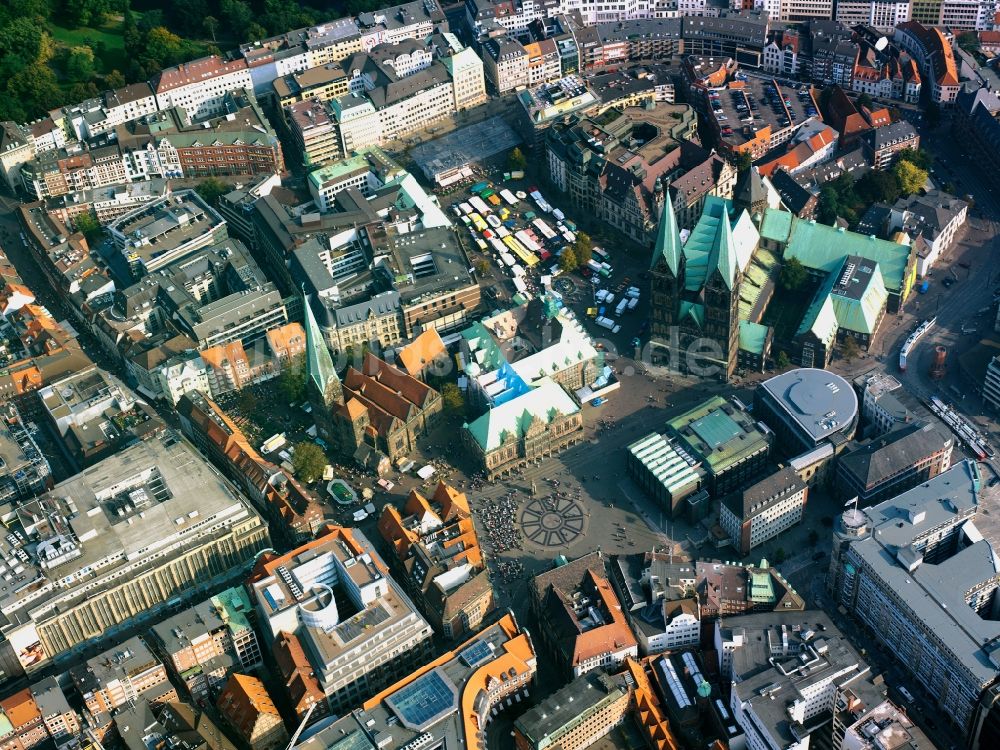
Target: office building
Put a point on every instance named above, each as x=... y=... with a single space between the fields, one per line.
x=587 y=155
x=205 y=643
x=883 y=726
x=580 y=619
x=935 y=218
x=447 y=702
x=763 y=510
x=577 y=715
x=728 y=443
x=25 y=472
x=149 y=524
x=786 y=672
x=806 y=407
x=357 y=627
x=890 y=464
x=165 y=230
x=96 y=415
x=438 y=558
x=921 y=577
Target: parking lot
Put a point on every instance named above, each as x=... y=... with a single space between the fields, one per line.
x=758 y=103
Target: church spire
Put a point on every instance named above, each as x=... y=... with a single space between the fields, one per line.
x=668 y=238
x=320 y=372
x=725 y=250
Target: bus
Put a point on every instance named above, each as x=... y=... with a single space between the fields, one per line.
x=478 y=222
x=600 y=255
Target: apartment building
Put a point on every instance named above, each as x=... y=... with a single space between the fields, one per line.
x=200 y=86
x=105 y=203
x=60 y=719
x=935 y=58
x=437 y=555
x=796 y=11
x=313 y=132
x=16 y=148
x=150 y=523
x=118 y=678
x=884 y=15
x=656 y=596
x=882 y=144
x=25 y=472
x=468 y=78
x=358 y=628
x=991 y=385
x=577 y=715
x=102 y=114
x=581 y=620
x=205 y=643
x=366 y=171
x=246 y=706
x=762 y=511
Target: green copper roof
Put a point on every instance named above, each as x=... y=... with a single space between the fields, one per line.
x=711 y=246
x=753 y=337
x=695 y=310
x=319 y=363
x=777 y=225
x=725 y=251
x=718 y=434
x=862 y=315
x=668 y=238
x=820 y=318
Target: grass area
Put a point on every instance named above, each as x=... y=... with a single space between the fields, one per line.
x=109 y=34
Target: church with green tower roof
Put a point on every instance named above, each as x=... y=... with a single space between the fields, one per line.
x=707 y=289
x=323 y=388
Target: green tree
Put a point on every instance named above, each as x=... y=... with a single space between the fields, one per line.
x=80 y=63
x=793 y=274
x=237 y=16
x=779 y=556
x=911 y=178
x=781 y=361
x=969 y=41
x=114 y=80
x=583 y=248
x=211 y=24
x=918 y=156
x=246 y=401
x=211 y=189
x=453 y=400
x=743 y=162
x=90 y=227
x=813 y=537
x=568 y=260
x=308 y=461
x=850 y=348
x=878 y=187
x=482 y=267
x=516 y=160
x=865 y=101
x=292 y=381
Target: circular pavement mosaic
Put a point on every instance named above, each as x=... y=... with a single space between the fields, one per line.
x=564 y=285
x=552 y=522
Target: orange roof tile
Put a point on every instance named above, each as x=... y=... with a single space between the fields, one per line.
x=21 y=708
x=425 y=348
